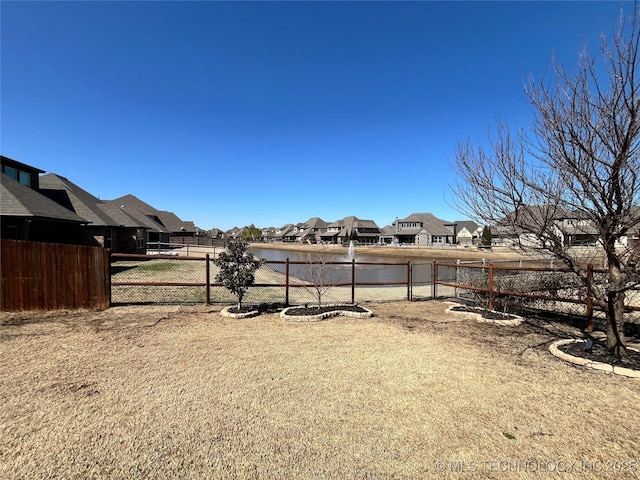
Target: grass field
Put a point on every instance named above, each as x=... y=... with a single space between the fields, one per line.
x=415 y=392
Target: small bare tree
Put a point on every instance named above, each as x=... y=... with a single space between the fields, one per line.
x=579 y=161
x=318 y=275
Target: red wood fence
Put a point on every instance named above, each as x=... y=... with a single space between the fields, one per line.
x=46 y=276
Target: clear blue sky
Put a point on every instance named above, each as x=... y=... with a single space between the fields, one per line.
x=231 y=113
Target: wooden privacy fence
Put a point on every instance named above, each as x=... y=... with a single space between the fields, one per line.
x=47 y=276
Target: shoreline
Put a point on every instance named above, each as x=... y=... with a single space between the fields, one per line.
x=427 y=253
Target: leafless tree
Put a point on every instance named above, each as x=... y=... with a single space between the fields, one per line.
x=579 y=159
x=318 y=275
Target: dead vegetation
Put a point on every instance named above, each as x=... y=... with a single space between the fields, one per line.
x=166 y=392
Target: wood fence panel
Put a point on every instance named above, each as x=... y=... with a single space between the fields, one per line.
x=46 y=276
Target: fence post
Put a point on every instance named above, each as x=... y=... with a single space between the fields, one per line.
x=408 y=280
x=589 y=327
x=286 y=274
x=434 y=278
x=108 y=280
x=490 y=306
x=353 y=281
x=208 y=277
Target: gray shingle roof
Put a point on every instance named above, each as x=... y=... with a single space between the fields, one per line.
x=17 y=200
x=433 y=225
x=71 y=196
x=169 y=220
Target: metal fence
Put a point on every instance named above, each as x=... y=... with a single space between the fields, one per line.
x=510 y=287
x=518 y=289
x=163 y=279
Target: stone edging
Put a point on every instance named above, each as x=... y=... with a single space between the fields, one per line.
x=479 y=318
x=605 y=367
x=226 y=313
x=322 y=316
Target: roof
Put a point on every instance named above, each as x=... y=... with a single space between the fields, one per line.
x=17 y=200
x=433 y=225
x=468 y=224
x=315 y=222
x=14 y=163
x=71 y=196
x=169 y=220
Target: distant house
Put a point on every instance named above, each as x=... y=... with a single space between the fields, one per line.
x=215 y=233
x=424 y=229
x=268 y=235
x=467 y=233
x=26 y=214
x=108 y=225
x=364 y=232
x=311 y=230
x=387 y=235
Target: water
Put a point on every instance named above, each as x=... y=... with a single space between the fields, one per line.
x=364 y=273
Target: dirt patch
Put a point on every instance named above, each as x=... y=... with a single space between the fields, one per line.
x=484 y=313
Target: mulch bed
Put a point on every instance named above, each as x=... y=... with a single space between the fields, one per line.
x=307 y=311
x=262 y=308
x=599 y=353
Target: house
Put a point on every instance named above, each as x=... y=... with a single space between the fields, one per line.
x=387 y=236
x=365 y=232
x=108 y=225
x=26 y=214
x=467 y=233
x=268 y=235
x=424 y=229
x=311 y=230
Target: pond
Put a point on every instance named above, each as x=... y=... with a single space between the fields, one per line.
x=365 y=273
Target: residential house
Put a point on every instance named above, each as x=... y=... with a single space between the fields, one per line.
x=387 y=235
x=364 y=232
x=467 y=233
x=424 y=229
x=281 y=233
x=311 y=230
x=108 y=226
x=26 y=214
x=268 y=235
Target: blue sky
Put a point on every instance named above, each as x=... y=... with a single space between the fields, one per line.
x=231 y=113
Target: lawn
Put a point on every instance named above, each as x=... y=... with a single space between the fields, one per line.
x=415 y=392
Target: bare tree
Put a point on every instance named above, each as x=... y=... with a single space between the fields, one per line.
x=579 y=160
x=318 y=275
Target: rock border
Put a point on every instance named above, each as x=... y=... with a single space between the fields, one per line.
x=226 y=313
x=585 y=362
x=479 y=318
x=325 y=315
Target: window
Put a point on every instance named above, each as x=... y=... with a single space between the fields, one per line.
x=11 y=172
x=24 y=178
x=18 y=175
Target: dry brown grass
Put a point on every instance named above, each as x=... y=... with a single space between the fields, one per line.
x=177 y=392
